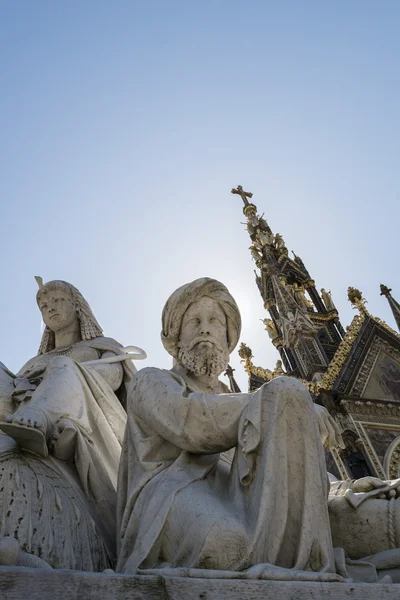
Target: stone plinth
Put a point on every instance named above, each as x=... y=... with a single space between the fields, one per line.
x=38 y=584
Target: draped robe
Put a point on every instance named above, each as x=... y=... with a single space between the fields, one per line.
x=65 y=513
x=182 y=502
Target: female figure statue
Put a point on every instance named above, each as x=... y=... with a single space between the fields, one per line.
x=62 y=426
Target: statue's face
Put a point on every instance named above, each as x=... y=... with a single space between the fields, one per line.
x=58 y=310
x=203 y=341
x=204 y=325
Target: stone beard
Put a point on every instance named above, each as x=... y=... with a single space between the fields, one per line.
x=204 y=357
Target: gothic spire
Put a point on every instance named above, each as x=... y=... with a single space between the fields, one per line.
x=303 y=326
x=394 y=305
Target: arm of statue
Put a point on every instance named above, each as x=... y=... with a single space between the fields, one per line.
x=195 y=422
x=328 y=429
x=111 y=373
x=357 y=491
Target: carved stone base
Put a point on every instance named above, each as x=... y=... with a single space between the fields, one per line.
x=39 y=584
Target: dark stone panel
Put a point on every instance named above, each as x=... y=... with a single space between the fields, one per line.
x=381 y=439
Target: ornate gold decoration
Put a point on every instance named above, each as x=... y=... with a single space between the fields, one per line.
x=321 y=317
x=328 y=379
x=333 y=370
x=341 y=355
x=356 y=298
x=277 y=342
x=265 y=374
x=246 y=355
x=269 y=303
x=250 y=208
x=309 y=283
x=385 y=325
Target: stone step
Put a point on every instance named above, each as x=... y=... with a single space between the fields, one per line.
x=18 y=583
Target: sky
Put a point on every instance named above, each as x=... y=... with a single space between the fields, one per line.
x=125 y=124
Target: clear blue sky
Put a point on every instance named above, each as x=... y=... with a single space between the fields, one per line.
x=124 y=126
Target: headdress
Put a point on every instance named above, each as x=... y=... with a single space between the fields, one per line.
x=178 y=303
x=90 y=328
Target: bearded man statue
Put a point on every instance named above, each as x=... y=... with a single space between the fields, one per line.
x=221 y=481
x=62 y=422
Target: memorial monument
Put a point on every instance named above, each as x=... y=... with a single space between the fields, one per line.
x=213 y=486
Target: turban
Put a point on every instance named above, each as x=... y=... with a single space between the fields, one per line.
x=178 y=303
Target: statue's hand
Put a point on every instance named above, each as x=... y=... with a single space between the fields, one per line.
x=367 y=484
x=63 y=439
x=35 y=373
x=23 y=389
x=328 y=429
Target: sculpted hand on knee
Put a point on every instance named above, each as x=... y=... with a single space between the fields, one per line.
x=59 y=501
x=204 y=470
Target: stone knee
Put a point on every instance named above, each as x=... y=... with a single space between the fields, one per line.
x=289 y=392
x=59 y=362
x=224 y=545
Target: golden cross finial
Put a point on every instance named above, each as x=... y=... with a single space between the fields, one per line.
x=244 y=195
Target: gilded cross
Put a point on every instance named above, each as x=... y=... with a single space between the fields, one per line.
x=244 y=195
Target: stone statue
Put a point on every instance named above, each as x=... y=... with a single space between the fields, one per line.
x=221 y=482
x=300 y=297
x=255 y=254
x=62 y=422
x=253 y=219
x=327 y=298
x=280 y=244
x=263 y=223
x=278 y=368
x=286 y=285
x=270 y=328
x=264 y=238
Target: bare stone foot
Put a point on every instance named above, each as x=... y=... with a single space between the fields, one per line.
x=28 y=416
x=28 y=426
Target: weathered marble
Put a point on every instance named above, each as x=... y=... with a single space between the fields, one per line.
x=225 y=481
x=70 y=585
x=62 y=419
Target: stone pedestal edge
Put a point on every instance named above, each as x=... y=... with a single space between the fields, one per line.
x=38 y=584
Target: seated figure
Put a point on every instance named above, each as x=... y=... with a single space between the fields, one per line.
x=223 y=482
x=210 y=479
x=62 y=425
